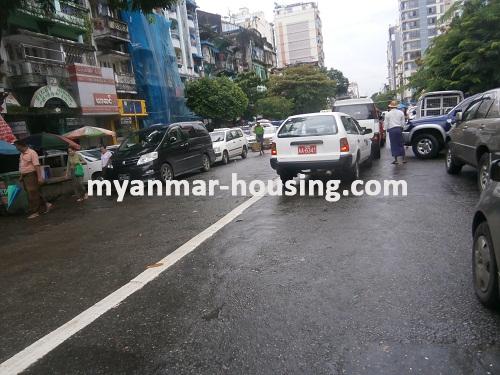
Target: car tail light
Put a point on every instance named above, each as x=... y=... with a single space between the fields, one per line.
x=344 y=145
x=273 y=149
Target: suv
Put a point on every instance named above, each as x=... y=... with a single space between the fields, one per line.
x=163 y=151
x=229 y=143
x=364 y=111
x=476 y=136
x=428 y=135
x=320 y=142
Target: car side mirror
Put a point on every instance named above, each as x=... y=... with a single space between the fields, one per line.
x=495 y=171
x=458 y=116
x=368 y=131
x=173 y=139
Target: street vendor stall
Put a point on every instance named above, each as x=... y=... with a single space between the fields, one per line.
x=92 y=136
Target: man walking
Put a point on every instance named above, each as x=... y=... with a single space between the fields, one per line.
x=31 y=177
x=394 y=123
x=259 y=136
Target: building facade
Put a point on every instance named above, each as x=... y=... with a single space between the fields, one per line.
x=419 y=20
x=254 y=20
x=298 y=34
x=394 y=59
x=185 y=37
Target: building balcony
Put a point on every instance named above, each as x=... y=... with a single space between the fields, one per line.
x=69 y=14
x=125 y=82
x=34 y=73
x=113 y=55
x=176 y=43
x=110 y=28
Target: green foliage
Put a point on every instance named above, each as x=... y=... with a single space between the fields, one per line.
x=341 y=82
x=467 y=56
x=248 y=82
x=382 y=99
x=217 y=98
x=275 y=107
x=307 y=86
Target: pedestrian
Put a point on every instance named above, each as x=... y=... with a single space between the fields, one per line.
x=259 y=136
x=31 y=178
x=395 y=122
x=105 y=157
x=75 y=171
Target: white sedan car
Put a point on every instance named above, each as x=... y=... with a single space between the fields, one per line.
x=229 y=143
x=330 y=143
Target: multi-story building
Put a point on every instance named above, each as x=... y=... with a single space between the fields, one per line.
x=254 y=20
x=185 y=37
x=419 y=20
x=298 y=34
x=394 y=59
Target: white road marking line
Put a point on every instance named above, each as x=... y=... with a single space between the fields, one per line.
x=25 y=358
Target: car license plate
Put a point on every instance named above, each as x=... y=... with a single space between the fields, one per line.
x=123 y=177
x=307 y=149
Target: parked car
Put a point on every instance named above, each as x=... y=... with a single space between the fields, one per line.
x=163 y=151
x=437 y=103
x=475 y=137
x=486 y=241
x=428 y=135
x=93 y=168
x=364 y=111
x=321 y=143
x=228 y=144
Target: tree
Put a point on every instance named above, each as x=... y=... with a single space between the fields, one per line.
x=341 y=82
x=382 y=99
x=467 y=56
x=307 y=86
x=216 y=98
x=274 y=107
x=250 y=82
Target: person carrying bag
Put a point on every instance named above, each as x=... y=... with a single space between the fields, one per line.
x=75 y=171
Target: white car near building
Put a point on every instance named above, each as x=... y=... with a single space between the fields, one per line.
x=229 y=143
x=93 y=168
x=321 y=143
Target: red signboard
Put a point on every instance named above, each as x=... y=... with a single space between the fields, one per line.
x=85 y=69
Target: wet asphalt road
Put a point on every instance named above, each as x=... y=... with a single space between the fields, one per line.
x=294 y=285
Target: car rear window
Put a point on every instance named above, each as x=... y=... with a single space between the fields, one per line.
x=358 y=111
x=308 y=126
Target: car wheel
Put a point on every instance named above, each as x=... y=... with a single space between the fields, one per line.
x=244 y=153
x=206 y=163
x=353 y=172
x=225 y=158
x=166 y=172
x=425 y=146
x=483 y=173
x=484 y=267
x=375 y=154
x=452 y=165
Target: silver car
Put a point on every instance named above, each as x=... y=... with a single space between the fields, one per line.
x=486 y=247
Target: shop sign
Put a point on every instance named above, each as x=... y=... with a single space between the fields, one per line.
x=45 y=93
x=105 y=99
x=129 y=107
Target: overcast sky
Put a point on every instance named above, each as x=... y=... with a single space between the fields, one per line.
x=355 y=34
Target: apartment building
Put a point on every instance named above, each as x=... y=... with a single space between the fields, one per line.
x=254 y=20
x=394 y=58
x=419 y=20
x=298 y=34
x=185 y=37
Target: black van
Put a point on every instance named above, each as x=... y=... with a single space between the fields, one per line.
x=163 y=152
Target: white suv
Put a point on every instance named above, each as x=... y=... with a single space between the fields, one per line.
x=229 y=143
x=320 y=143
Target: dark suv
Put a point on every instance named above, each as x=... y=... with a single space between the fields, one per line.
x=163 y=151
x=475 y=137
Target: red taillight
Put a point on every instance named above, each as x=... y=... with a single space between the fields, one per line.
x=273 y=149
x=344 y=145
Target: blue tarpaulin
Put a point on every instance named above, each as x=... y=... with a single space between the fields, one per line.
x=156 y=71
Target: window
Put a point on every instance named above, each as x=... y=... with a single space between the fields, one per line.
x=229 y=136
x=309 y=126
x=483 y=109
x=176 y=133
x=349 y=126
x=235 y=134
x=358 y=111
x=471 y=111
x=495 y=109
x=358 y=127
